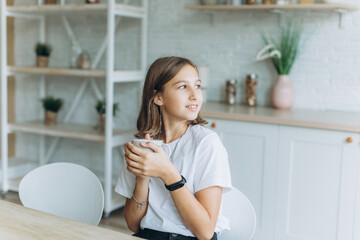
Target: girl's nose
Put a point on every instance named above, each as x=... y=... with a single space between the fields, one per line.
x=194 y=94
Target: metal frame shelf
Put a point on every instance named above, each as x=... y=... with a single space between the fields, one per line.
x=11 y=174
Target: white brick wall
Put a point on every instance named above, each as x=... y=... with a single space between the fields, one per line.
x=326 y=75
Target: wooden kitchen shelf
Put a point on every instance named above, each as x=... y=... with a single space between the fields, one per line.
x=319 y=6
x=119 y=76
x=58 y=71
x=120 y=9
x=70 y=130
x=17 y=169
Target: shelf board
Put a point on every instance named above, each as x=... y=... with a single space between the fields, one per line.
x=119 y=76
x=128 y=76
x=70 y=130
x=120 y=9
x=319 y=6
x=17 y=169
x=58 y=71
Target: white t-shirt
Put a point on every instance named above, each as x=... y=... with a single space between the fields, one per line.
x=202 y=159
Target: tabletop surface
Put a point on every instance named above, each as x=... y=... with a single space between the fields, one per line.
x=19 y=222
x=329 y=120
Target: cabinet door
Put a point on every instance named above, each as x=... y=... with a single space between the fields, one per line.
x=252 y=150
x=317 y=184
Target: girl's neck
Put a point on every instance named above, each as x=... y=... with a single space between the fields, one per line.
x=173 y=131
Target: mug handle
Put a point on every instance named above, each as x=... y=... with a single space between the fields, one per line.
x=168 y=149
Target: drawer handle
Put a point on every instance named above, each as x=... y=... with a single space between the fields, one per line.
x=349 y=140
x=214 y=125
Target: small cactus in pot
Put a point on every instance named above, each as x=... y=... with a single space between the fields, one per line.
x=43 y=51
x=51 y=106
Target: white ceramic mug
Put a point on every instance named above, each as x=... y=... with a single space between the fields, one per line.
x=137 y=142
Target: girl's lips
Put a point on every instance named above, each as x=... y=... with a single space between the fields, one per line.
x=193 y=107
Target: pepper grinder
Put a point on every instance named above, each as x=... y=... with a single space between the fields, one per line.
x=230 y=91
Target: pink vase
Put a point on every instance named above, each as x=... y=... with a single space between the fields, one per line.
x=283 y=93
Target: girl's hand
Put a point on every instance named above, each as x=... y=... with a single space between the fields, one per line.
x=153 y=164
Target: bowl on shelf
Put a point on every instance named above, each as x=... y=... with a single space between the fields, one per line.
x=209 y=2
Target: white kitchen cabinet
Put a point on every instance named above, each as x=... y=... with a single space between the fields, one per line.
x=317 y=185
x=252 y=150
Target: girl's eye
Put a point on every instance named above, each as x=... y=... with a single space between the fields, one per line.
x=198 y=86
x=182 y=87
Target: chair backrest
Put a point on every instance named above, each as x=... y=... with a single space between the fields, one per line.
x=241 y=214
x=64 y=189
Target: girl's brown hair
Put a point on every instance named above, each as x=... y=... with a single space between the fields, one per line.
x=160 y=72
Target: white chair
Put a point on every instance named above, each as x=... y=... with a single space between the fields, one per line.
x=241 y=214
x=64 y=189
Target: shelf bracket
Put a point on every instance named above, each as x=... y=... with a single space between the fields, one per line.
x=343 y=16
x=211 y=15
x=280 y=14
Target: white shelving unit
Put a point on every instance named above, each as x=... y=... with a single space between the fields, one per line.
x=12 y=170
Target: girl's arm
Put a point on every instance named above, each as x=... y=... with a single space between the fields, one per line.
x=134 y=212
x=198 y=212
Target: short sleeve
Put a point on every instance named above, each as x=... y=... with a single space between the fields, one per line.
x=212 y=165
x=126 y=182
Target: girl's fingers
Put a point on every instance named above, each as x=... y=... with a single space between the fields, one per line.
x=135 y=171
x=132 y=156
x=154 y=147
x=147 y=136
x=133 y=164
x=136 y=150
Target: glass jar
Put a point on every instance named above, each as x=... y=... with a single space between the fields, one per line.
x=84 y=61
x=251 y=83
x=231 y=91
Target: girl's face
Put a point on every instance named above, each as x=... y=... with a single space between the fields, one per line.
x=181 y=98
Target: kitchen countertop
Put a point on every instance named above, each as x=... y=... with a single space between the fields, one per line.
x=330 y=120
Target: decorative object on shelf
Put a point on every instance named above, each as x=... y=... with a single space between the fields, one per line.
x=332 y=1
x=52 y=106
x=91 y=1
x=75 y=51
x=267 y=2
x=307 y=1
x=283 y=55
x=251 y=2
x=42 y=51
x=204 y=77
x=236 y=2
x=209 y=2
x=84 y=61
x=50 y=1
x=251 y=83
x=231 y=91
x=101 y=110
x=282 y=2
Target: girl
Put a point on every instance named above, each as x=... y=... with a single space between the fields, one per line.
x=176 y=196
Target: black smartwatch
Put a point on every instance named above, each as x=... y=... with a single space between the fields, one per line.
x=176 y=185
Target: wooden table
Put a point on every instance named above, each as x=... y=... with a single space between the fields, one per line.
x=18 y=222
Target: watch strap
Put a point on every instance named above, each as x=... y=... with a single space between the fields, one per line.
x=176 y=185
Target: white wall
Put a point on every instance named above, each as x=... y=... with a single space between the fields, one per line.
x=326 y=75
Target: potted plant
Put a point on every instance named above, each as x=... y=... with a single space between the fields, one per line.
x=101 y=110
x=42 y=51
x=52 y=106
x=283 y=54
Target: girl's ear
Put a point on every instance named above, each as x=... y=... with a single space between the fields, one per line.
x=158 y=99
